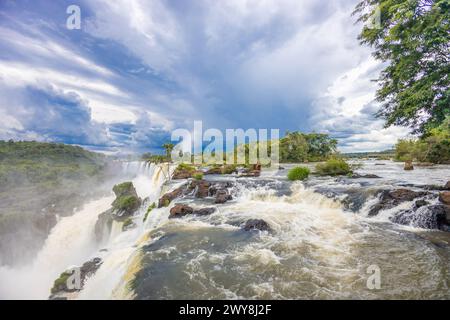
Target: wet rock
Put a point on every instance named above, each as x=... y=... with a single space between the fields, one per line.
x=408 y=166
x=66 y=283
x=180 y=210
x=214 y=170
x=256 y=224
x=103 y=226
x=367 y=176
x=200 y=188
x=204 y=211
x=421 y=203
x=165 y=200
x=447 y=186
x=126 y=202
x=444 y=197
x=392 y=198
x=427 y=217
x=222 y=196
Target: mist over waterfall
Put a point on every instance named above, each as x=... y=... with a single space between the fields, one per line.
x=71 y=242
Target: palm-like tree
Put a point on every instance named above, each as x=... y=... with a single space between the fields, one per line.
x=168 y=147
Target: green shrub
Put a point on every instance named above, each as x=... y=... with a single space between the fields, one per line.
x=149 y=209
x=229 y=169
x=185 y=167
x=333 y=167
x=198 y=176
x=123 y=188
x=298 y=173
x=126 y=203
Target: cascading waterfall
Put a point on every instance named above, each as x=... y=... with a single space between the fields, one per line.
x=71 y=241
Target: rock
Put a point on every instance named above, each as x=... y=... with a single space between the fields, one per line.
x=256 y=224
x=447 y=186
x=61 y=289
x=200 y=188
x=281 y=168
x=180 y=210
x=128 y=224
x=444 y=197
x=204 y=211
x=222 y=196
x=126 y=202
x=184 y=171
x=408 y=166
x=424 y=164
x=214 y=170
x=426 y=217
x=103 y=226
x=421 y=203
x=165 y=200
x=367 y=176
x=392 y=198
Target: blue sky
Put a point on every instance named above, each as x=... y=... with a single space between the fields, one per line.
x=136 y=70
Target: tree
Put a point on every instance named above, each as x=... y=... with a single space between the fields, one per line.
x=412 y=39
x=168 y=147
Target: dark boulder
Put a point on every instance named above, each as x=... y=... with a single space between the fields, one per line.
x=222 y=196
x=367 y=176
x=392 y=198
x=421 y=203
x=165 y=200
x=256 y=224
x=204 y=211
x=444 y=197
x=408 y=166
x=180 y=210
x=200 y=188
x=427 y=217
x=66 y=283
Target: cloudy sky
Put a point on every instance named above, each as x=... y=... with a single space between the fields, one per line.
x=136 y=70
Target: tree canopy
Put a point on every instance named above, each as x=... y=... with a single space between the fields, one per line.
x=412 y=38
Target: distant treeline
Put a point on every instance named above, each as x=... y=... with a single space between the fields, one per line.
x=433 y=147
x=37 y=162
x=293 y=147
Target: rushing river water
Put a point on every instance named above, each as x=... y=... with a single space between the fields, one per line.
x=322 y=245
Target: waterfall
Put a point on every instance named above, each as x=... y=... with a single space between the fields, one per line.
x=71 y=242
x=109 y=281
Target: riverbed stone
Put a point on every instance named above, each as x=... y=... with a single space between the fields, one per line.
x=408 y=166
x=180 y=210
x=444 y=197
x=256 y=224
x=392 y=198
x=222 y=196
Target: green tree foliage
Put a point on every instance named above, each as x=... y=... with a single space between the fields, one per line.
x=301 y=147
x=168 y=147
x=413 y=42
x=434 y=147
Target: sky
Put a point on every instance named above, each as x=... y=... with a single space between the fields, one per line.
x=138 y=69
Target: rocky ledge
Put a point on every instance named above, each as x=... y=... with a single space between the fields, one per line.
x=67 y=285
x=125 y=205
